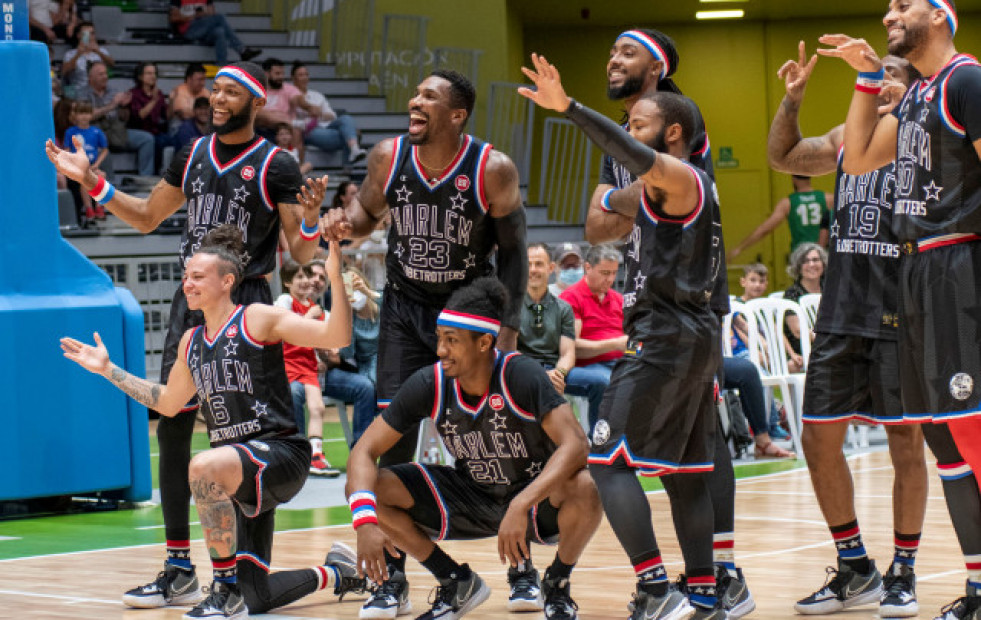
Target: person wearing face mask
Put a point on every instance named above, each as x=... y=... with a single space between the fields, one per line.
x=568 y=263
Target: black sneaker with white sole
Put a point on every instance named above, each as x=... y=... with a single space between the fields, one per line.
x=898 y=592
x=733 y=593
x=526 y=590
x=558 y=599
x=345 y=560
x=223 y=602
x=173 y=586
x=672 y=605
x=389 y=599
x=455 y=597
x=965 y=608
x=844 y=588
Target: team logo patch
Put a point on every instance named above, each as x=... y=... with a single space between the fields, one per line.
x=232 y=331
x=497 y=402
x=248 y=173
x=928 y=97
x=601 y=433
x=961 y=386
x=462 y=182
x=258 y=445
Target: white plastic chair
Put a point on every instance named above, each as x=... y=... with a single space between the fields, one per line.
x=770 y=315
x=810 y=304
x=738 y=307
x=775 y=295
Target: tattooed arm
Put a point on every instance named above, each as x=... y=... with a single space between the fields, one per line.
x=167 y=399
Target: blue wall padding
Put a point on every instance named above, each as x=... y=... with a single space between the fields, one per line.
x=66 y=430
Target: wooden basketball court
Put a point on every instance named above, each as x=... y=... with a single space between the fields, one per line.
x=782 y=544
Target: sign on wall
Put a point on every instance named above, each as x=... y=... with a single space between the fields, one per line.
x=14 y=20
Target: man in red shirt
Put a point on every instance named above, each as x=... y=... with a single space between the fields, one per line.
x=598 y=312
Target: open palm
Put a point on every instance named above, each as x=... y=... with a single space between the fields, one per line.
x=72 y=165
x=92 y=358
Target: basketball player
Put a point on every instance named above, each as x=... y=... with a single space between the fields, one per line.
x=640 y=64
x=258 y=458
x=452 y=199
x=231 y=176
x=520 y=470
x=658 y=416
x=934 y=136
x=853 y=374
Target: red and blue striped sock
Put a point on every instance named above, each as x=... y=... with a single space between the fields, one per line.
x=701 y=589
x=973 y=564
x=179 y=553
x=851 y=550
x=906 y=547
x=225 y=570
x=724 y=550
x=651 y=575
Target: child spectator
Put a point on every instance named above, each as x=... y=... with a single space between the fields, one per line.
x=284 y=140
x=96 y=148
x=301 y=364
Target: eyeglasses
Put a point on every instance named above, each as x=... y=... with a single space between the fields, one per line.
x=539 y=311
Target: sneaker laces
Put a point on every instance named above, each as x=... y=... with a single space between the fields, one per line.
x=894 y=583
x=560 y=600
x=835 y=580
x=681 y=584
x=215 y=596
x=443 y=594
x=348 y=585
x=951 y=608
x=386 y=589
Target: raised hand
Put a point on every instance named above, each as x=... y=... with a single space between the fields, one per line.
x=334 y=225
x=93 y=359
x=856 y=52
x=75 y=165
x=549 y=93
x=795 y=74
x=311 y=196
x=333 y=263
x=890 y=96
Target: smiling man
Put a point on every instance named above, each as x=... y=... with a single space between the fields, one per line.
x=231 y=176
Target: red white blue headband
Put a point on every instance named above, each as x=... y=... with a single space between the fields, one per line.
x=472 y=322
x=243 y=78
x=652 y=46
x=947 y=8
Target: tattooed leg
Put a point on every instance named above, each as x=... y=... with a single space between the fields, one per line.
x=214 y=477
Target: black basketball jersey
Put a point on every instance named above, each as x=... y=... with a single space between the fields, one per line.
x=499 y=441
x=441 y=236
x=673 y=266
x=860 y=296
x=938 y=175
x=235 y=193
x=241 y=383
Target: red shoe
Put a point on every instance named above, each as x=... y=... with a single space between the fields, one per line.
x=319 y=466
x=89 y=213
x=100 y=212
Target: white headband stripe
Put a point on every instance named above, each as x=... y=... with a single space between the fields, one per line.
x=652 y=46
x=471 y=322
x=244 y=79
x=945 y=6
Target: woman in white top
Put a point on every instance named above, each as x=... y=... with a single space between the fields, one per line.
x=331 y=131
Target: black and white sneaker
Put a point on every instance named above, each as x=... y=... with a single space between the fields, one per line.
x=224 y=601
x=716 y=613
x=389 y=599
x=898 y=592
x=173 y=586
x=558 y=599
x=965 y=608
x=673 y=605
x=454 y=597
x=345 y=560
x=844 y=588
x=733 y=592
x=526 y=589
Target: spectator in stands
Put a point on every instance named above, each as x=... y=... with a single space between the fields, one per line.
x=93 y=141
x=741 y=374
x=364 y=341
x=301 y=364
x=282 y=100
x=284 y=140
x=807 y=264
x=568 y=258
x=110 y=110
x=49 y=21
x=598 y=312
x=148 y=109
x=184 y=97
x=75 y=66
x=195 y=127
x=321 y=125
x=197 y=21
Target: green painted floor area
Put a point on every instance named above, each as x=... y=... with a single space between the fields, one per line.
x=89 y=529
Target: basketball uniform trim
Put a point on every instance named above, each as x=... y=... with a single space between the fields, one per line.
x=258 y=479
x=450 y=170
x=646 y=467
x=512 y=405
x=857 y=416
x=190 y=341
x=939 y=241
x=222 y=169
x=255 y=342
x=263 y=171
x=942 y=417
x=945 y=116
x=248 y=556
x=396 y=163
x=472 y=411
x=954 y=471
x=210 y=342
x=190 y=157
x=438 y=401
x=479 y=177
x=687 y=220
x=444 y=520
x=383 y=404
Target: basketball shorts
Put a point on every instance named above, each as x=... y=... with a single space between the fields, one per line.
x=448 y=505
x=852 y=378
x=406 y=341
x=940 y=332
x=657 y=422
x=273 y=472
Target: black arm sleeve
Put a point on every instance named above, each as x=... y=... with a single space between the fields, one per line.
x=512 y=262
x=636 y=157
x=175 y=172
x=606 y=172
x=414 y=400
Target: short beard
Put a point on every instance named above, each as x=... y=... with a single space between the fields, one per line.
x=236 y=120
x=913 y=38
x=658 y=144
x=632 y=86
x=275 y=84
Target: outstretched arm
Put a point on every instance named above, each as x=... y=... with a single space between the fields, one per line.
x=779 y=214
x=166 y=399
x=870 y=141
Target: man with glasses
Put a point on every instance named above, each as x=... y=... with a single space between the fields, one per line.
x=548 y=328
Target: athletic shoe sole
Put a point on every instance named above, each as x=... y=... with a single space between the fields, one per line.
x=478 y=597
x=153 y=602
x=833 y=605
x=373 y=613
x=742 y=609
x=899 y=611
x=526 y=604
